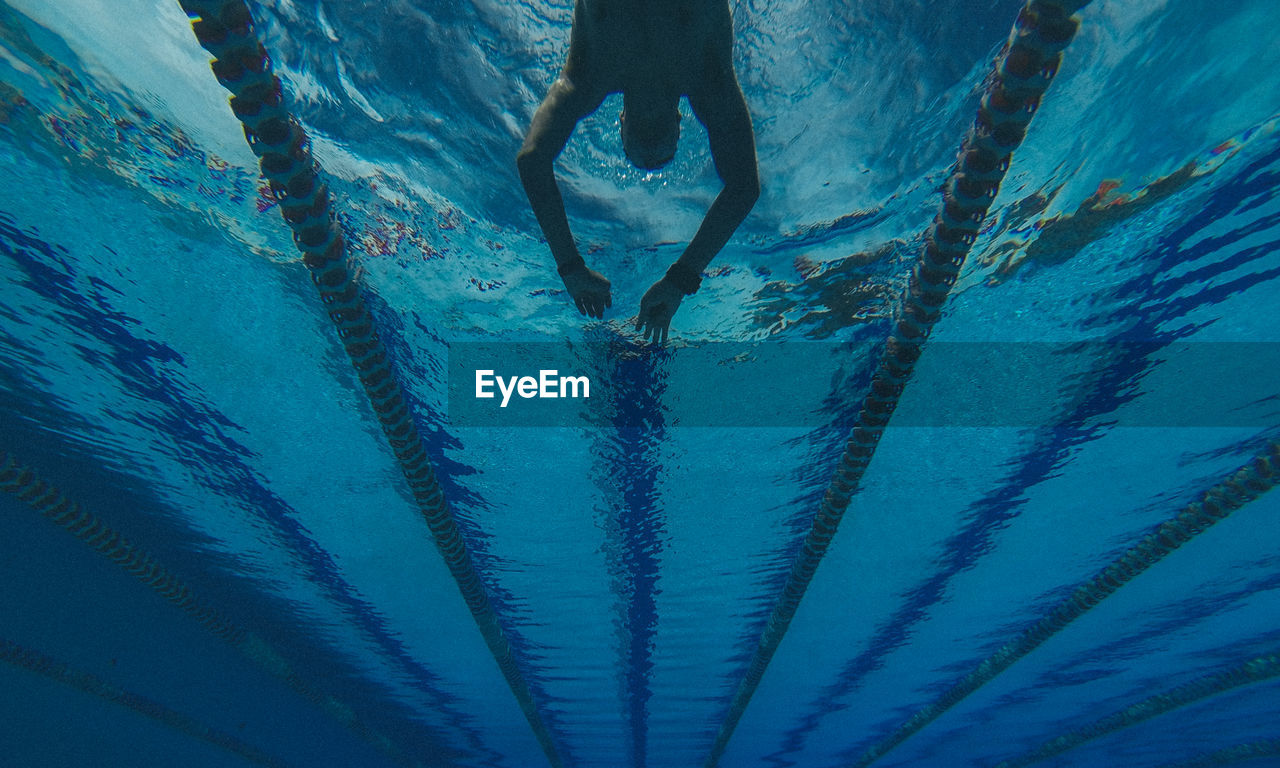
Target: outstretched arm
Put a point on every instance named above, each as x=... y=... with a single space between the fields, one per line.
x=733 y=148
x=723 y=110
x=553 y=123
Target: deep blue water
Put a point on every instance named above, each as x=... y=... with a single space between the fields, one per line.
x=166 y=363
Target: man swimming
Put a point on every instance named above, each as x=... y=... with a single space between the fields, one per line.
x=653 y=52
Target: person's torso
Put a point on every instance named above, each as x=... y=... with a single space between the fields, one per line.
x=649 y=45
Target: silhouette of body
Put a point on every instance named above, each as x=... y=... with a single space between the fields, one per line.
x=653 y=52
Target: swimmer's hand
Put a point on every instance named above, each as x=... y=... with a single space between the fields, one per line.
x=590 y=291
x=657 y=308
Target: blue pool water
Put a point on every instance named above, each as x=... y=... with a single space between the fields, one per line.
x=165 y=363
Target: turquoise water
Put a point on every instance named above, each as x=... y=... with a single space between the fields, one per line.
x=167 y=364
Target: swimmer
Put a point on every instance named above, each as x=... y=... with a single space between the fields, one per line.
x=653 y=52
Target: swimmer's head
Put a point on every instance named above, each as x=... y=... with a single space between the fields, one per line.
x=649 y=135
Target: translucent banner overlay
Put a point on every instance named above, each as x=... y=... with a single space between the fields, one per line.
x=813 y=384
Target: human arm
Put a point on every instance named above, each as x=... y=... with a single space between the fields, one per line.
x=557 y=116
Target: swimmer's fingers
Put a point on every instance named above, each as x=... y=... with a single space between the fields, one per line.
x=642 y=320
x=653 y=323
x=654 y=331
x=657 y=330
x=591 y=305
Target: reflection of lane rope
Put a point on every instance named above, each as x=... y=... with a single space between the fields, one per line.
x=1230 y=755
x=1243 y=486
x=1023 y=73
x=33 y=661
x=19 y=480
x=1253 y=671
x=242 y=66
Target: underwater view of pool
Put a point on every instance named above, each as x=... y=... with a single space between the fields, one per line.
x=959 y=456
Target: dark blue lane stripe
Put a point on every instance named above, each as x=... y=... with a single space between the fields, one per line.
x=146 y=369
x=630 y=462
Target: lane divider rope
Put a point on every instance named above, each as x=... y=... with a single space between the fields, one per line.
x=241 y=64
x=1244 y=485
x=23 y=483
x=1022 y=74
x=1256 y=670
x=46 y=666
x=1237 y=753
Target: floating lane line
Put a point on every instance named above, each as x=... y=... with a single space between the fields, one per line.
x=1244 y=485
x=223 y=468
x=46 y=666
x=225 y=28
x=1022 y=74
x=1266 y=667
x=1230 y=755
x=23 y=483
